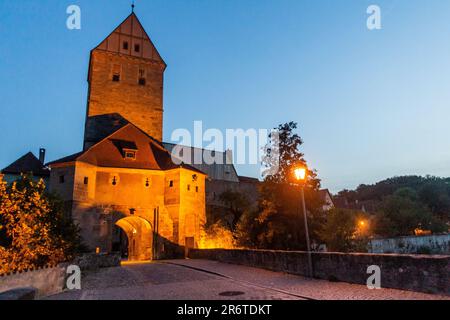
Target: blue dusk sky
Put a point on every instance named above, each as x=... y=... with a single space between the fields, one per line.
x=370 y=104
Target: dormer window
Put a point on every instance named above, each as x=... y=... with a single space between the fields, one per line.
x=129 y=154
x=127 y=149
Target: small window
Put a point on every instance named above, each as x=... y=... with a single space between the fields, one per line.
x=86 y=180
x=171 y=184
x=61 y=179
x=116 y=72
x=189 y=187
x=137 y=48
x=125 y=45
x=196 y=189
x=130 y=155
x=142 y=77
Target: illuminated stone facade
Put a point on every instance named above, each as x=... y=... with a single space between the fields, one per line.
x=124 y=183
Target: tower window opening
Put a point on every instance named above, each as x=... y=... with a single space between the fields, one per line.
x=125 y=45
x=114 y=182
x=196 y=189
x=86 y=180
x=189 y=187
x=137 y=48
x=171 y=184
x=142 y=80
x=116 y=73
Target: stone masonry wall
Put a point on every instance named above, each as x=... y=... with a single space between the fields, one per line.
x=433 y=244
x=46 y=281
x=142 y=105
x=429 y=274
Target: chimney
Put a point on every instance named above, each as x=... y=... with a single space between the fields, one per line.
x=229 y=156
x=42 y=155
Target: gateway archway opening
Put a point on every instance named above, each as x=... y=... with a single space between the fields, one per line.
x=139 y=235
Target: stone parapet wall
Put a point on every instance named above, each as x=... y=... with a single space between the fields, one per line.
x=46 y=281
x=50 y=280
x=92 y=261
x=423 y=273
x=432 y=244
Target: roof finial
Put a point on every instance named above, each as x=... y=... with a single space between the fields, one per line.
x=132 y=6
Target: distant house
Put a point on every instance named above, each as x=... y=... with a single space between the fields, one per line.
x=327 y=199
x=27 y=164
x=368 y=206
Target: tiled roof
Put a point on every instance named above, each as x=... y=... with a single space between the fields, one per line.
x=26 y=164
x=323 y=194
x=150 y=154
x=248 y=179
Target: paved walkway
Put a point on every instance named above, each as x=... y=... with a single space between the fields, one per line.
x=210 y=280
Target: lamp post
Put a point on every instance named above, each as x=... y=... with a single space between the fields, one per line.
x=300 y=175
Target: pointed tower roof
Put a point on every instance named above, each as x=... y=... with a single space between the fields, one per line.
x=130 y=38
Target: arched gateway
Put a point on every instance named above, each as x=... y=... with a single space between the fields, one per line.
x=140 y=237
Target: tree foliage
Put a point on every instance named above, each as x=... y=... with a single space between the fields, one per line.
x=33 y=228
x=343 y=232
x=236 y=204
x=278 y=221
x=404 y=204
x=218 y=236
x=401 y=214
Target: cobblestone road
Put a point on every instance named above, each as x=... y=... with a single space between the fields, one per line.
x=209 y=280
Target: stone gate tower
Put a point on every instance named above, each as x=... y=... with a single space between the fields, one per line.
x=126 y=75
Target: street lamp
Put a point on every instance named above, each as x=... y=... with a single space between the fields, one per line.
x=300 y=175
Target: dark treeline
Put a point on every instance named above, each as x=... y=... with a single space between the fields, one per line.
x=432 y=192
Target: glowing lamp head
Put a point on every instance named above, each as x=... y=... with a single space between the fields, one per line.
x=300 y=174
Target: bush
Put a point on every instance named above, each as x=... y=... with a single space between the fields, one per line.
x=217 y=237
x=34 y=231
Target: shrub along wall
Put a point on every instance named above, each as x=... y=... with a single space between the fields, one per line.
x=430 y=274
